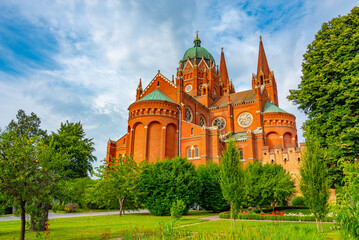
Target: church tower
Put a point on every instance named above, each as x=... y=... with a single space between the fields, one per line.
x=265 y=77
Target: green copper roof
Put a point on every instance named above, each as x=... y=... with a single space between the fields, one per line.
x=197 y=51
x=156 y=95
x=271 y=108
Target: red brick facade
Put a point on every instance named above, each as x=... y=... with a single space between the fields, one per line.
x=194 y=114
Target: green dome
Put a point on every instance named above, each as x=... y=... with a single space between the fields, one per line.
x=197 y=51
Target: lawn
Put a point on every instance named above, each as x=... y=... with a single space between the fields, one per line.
x=114 y=226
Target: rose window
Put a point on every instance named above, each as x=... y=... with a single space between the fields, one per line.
x=219 y=122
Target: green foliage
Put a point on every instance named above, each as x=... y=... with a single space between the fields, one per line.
x=164 y=182
x=210 y=192
x=328 y=92
x=70 y=139
x=178 y=209
x=268 y=184
x=77 y=190
x=26 y=125
x=314 y=182
x=348 y=202
x=298 y=201
x=232 y=176
x=119 y=181
x=28 y=172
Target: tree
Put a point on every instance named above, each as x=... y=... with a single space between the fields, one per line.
x=232 y=176
x=165 y=182
x=70 y=139
x=348 y=201
x=26 y=125
x=120 y=180
x=314 y=182
x=328 y=92
x=27 y=172
x=267 y=184
x=210 y=192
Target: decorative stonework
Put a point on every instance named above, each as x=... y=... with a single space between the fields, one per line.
x=245 y=119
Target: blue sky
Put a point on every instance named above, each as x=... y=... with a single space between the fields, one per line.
x=82 y=60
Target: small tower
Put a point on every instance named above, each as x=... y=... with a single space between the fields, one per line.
x=139 y=90
x=265 y=77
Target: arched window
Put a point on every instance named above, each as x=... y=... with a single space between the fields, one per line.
x=202 y=122
x=241 y=154
x=191 y=131
x=196 y=152
x=285 y=161
x=188 y=114
x=298 y=160
x=272 y=161
x=189 y=153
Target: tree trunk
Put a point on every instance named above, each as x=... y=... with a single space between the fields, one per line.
x=316 y=221
x=23 y=220
x=39 y=219
x=321 y=224
x=273 y=204
x=232 y=215
x=122 y=210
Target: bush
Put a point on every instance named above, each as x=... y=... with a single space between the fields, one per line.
x=298 y=201
x=70 y=207
x=164 y=182
x=178 y=209
x=210 y=192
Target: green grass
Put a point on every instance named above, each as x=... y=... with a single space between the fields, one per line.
x=263 y=230
x=113 y=226
x=97 y=226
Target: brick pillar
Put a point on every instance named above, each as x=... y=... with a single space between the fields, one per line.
x=145 y=143
x=163 y=143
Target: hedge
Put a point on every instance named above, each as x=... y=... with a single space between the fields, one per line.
x=274 y=217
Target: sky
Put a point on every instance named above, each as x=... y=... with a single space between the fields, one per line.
x=82 y=60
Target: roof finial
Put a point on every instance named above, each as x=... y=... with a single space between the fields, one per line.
x=197 y=41
x=260 y=38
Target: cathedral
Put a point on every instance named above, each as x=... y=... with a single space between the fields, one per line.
x=194 y=114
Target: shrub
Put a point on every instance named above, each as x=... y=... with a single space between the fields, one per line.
x=178 y=209
x=210 y=192
x=70 y=207
x=164 y=182
x=298 y=201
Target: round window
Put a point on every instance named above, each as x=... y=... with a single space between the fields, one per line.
x=219 y=122
x=245 y=119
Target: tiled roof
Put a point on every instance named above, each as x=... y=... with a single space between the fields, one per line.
x=235 y=97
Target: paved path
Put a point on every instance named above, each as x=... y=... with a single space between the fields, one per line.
x=68 y=215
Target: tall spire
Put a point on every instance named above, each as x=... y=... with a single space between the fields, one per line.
x=262 y=60
x=223 y=70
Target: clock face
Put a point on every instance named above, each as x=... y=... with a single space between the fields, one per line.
x=245 y=119
x=188 y=88
x=219 y=122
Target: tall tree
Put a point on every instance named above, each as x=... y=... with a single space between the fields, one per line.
x=328 y=92
x=28 y=125
x=314 y=182
x=119 y=180
x=70 y=139
x=232 y=176
x=27 y=172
